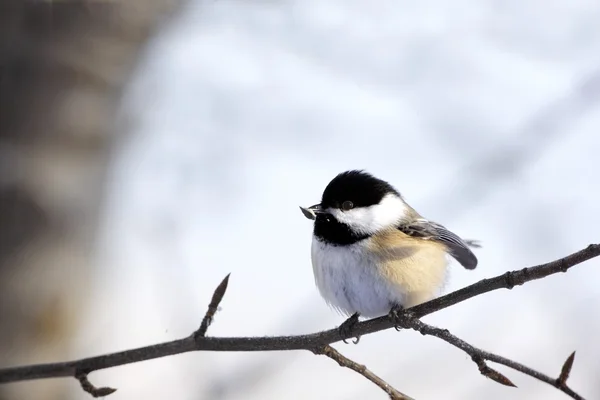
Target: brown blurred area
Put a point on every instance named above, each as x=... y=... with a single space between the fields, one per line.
x=63 y=66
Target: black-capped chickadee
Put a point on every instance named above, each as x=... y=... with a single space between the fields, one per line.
x=373 y=254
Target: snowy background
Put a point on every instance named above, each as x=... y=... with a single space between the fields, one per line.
x=484 y=114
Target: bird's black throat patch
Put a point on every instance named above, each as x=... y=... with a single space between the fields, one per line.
x=331 y=231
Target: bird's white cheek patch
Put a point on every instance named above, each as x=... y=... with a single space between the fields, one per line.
x=370 y=220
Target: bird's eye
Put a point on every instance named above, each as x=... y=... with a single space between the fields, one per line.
x=347 y=205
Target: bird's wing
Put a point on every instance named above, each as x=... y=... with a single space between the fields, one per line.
x=457 y=247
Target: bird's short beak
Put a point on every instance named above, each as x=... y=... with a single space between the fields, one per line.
x=312 y=211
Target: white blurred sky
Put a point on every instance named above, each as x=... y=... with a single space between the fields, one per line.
x=484 y=114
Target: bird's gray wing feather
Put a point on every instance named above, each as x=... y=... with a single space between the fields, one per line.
x=457 y=247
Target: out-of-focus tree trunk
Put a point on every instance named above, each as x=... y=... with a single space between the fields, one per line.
x=62 y=68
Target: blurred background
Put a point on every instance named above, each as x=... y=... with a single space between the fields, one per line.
x=148 y=148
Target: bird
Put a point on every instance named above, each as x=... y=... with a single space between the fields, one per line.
x=373 y=254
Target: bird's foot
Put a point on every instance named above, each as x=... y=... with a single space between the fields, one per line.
x=399 y=315
x=347 y=327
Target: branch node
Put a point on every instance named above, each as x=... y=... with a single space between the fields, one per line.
x=320 y=350
x=566 y=370
x=88 y=387
x=213 y=307
x=510 y=280
x=491 y=373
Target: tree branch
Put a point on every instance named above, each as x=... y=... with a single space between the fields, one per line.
x=345 y=362
x=480 y=356
x=198 y=342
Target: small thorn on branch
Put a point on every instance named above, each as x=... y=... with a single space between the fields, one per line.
x=566 y=370
x=88 y=387
x=491 y=373
x=213 y=307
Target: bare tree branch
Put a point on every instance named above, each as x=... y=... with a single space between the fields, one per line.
x=345 y=362
x=82 y=374
x=198 y=342
x=480 y=356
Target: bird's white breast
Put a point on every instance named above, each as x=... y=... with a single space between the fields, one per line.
x=348 y=279
x=355 y=279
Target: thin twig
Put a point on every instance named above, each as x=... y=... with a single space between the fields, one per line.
x=301 y=342
x=479 y=356
x=213 y=307
x=88 y=387
x=345 y=362
x=81 y=373
x=565 y=371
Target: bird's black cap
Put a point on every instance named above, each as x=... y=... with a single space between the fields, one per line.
x=357 y=186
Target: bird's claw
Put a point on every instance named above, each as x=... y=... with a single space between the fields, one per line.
x=354 y=341
x=398 y=315
x=347 y=327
